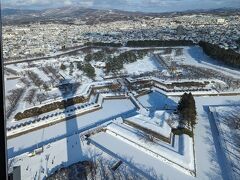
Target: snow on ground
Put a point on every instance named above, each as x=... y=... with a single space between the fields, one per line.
x=210 y=158
x=191 y=55
x=73 y=150
x=138 y=158
x=40 y=73
x=58 y=131
x=16 y=67
x=154 y=124
x=194 y=55
x=147 y=64
x=181 y=159
x=99 y=74
x=156 y=100
x=224 y=117
x=54 y=95
x=11 y=84
x=210 y=162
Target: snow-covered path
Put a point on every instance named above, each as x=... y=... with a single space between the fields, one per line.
x=142 y=109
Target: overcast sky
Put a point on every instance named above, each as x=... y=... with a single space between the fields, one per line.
x=128 y=5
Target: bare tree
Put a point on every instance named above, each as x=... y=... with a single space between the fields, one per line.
x=41 y=97
x=30 y=96
x=25 y=81
x=45 y=87
x=55 y=96
x=35 y=79
x=11 y=71
x=13 y=98
x=233 y=119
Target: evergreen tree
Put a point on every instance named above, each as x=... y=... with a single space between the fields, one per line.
x=63 y=67
x=187 y=109
x=89 y=70
x=79 y=65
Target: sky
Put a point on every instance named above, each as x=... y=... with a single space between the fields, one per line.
x=128 y=5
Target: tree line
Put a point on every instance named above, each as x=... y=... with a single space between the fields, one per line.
x=13 y=99
x=36 y=111
x=86 y=67
x=101 y=55
x=116 y=63
x=227 y=56
x=144 y=43
x=159 y=43
x=112 y=44
x=97 y=56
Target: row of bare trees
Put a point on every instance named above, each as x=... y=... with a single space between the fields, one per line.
x=25 y=81
x=233 y=119
x=30 y=96
x=193 y=72
x=51 y=70
x=35 y=79
x=11 y=71
x=52 y=73
x=13 y=98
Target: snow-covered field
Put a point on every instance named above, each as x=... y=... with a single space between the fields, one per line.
x=155 y=124
x=147 y=64
x=156 y=100
x=64 y=129
x=194 y=55
x=210 y=161
x=225 y=118
x=11 y=84
x=150 y=166
x=70 y=150
x=179 y=155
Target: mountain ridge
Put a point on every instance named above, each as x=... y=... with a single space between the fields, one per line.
x=12 y=16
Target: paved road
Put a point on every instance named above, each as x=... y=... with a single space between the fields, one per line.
x=45 y=57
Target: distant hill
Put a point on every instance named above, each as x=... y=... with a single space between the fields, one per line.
x=12 y=12
x=91 y=16
x=66 y=14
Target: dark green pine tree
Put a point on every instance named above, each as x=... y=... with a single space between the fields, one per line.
x=187 y=109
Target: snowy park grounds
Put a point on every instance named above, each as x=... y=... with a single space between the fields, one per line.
x=30 y=141
x=72 y=150
x=178 y=154
x=226 y=119
x=135 y=156
x=156 y=124
x=132 y=124
x=176 y=64
x=149 y=101
x=144 y=65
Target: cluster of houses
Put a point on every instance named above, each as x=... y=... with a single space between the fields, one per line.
x=21 y=41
